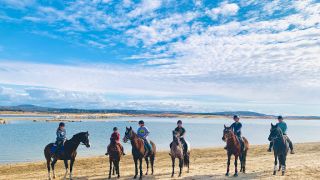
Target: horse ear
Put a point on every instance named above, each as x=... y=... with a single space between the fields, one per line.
x=130 y=128
x=127 y=128
x=225 y=126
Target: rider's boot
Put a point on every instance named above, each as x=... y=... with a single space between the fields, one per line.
x=292 y=151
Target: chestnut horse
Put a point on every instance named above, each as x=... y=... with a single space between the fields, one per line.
x=280 y=148
x=115 y=154
x=234 y=148
x=176 y=151
x=138 y=151
x=69 y=153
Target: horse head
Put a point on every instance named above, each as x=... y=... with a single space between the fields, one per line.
x=128 y=135
x=175 y=136
x=275 y=132
x=83 y=138
x=227 y=132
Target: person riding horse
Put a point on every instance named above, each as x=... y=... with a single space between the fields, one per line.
x=61 y=137
x=283 y=126
x=181 y=132
x=236 y=128
x=115 y=137
x=143 y=133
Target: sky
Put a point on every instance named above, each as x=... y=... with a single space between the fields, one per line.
x=186 y=55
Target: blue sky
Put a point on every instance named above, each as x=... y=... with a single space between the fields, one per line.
x=188 y=55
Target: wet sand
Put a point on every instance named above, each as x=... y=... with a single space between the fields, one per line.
x=209 y=163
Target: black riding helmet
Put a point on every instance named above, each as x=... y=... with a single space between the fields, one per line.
x=235 y=117
x=141 y=122
x=280 y=117
x=115 y=129
x=61 y=124
x=179 y=122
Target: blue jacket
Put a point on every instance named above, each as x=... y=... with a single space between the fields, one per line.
x=61 y=135
x=143 y=132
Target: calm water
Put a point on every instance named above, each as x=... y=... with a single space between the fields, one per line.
x=22 y=141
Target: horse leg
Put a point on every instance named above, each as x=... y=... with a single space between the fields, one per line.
x=48 y=167
x=147 y=161
x=136 y=167
x=244 y=162
x=180 y=165
x=173 y=163
x=228 y=164
x=113 y=170
x=71 y=167
x=241 y=160
x=117 y=168
x=52 y=166
x=140 y=167
x=110 y=168
x=235 y=166
x=275 y=164
x=66 y=167
x=152 y=163
x=283 y=164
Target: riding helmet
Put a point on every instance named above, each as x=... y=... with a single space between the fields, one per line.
x=179 y=122
x=280 y=117
x=141 y=122
x=115 y=129
x=235 y=117
x=61 y=124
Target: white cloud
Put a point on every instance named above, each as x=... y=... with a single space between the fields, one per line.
x=225 y=10
x=146 y=6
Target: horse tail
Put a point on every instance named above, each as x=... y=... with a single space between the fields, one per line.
x=186 y=159
x=246 y=144
x=154 y=150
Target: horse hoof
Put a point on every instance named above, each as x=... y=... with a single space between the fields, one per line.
x=235 y=175
x=140 y=178
x=282 y=173
x=146 y=173
x=227 y=174
x=134 y=177
x=179 y=175
x=109 y=177
x=274 y=173
x=118 y=177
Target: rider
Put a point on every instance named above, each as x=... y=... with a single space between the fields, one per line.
x=283 y=126
x=181 y=132
x=236 y=127
x=115 y=136
x=143 y=133
x=61 y=136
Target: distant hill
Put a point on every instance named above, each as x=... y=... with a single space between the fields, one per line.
x=33 y=108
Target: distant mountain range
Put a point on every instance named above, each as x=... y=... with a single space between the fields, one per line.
x=33 y=108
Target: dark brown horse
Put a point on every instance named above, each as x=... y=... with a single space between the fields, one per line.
x=234 y=148
x=115 y=154
x=138 y=151
x=280 y=148
x=69 y=153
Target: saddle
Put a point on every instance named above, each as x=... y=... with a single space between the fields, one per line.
x=54 y=148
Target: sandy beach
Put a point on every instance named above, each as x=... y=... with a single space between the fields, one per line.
x=209 y=163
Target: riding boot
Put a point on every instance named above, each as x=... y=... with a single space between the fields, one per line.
x=290 y=145
x=108 y=150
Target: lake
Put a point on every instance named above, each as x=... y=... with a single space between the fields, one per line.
x=23 y=141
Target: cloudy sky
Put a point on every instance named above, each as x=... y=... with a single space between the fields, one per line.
x=188 y=55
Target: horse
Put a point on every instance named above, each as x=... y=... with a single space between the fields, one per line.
x=115 y=154
x=138 y=151
x=280 y=148
x=176 y=151
x=70 y=152
x=234 y=148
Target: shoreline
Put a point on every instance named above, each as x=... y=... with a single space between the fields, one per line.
x=6 y=117
x=206 y=163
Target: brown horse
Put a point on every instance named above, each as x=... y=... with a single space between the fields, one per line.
x=176 y=151
x=69 y=153
x=234 y=148
x=138 y=151
x=115 y=154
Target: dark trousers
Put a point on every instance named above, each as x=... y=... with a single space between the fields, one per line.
x=288 y=140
